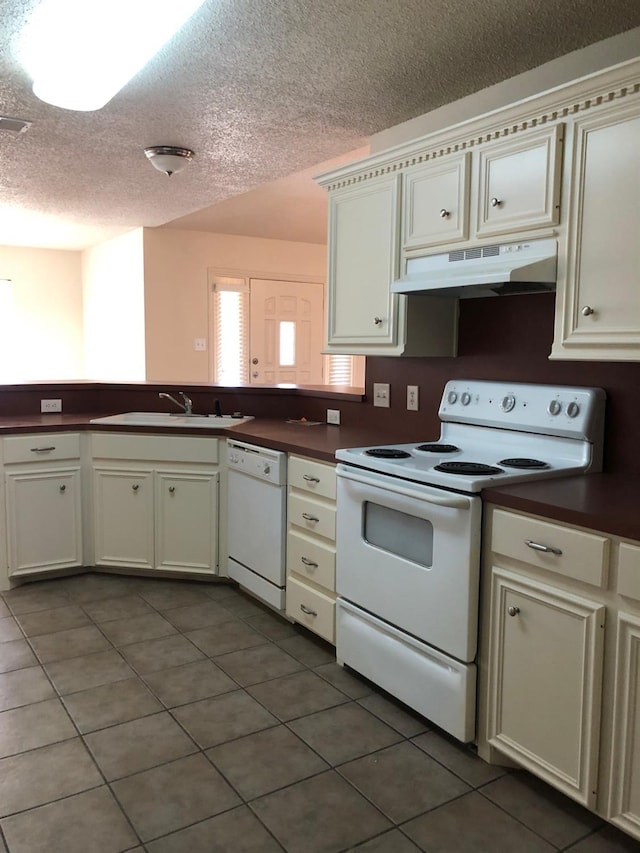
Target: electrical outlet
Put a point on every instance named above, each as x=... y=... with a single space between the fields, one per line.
x=50 y=405
x=333 y=416
x=413 y=402
x=200 y=344
x=381 y=394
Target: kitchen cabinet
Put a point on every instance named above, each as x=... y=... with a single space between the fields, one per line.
x=311 y=553
x=43 y=497
x=436 y=202
x=363 y=316
x=598 y=296
x=156 y=502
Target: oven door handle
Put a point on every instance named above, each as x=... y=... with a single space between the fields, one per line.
x=451 y=501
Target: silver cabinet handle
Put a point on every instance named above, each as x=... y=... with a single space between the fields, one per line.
x=63 y=488
x=444 y=213
x=377 y=321
x=513 y=611
x=308 y=562
x=587 y=311
x=547 y=549
x=172 y=489
x=43 y=449
x=310 y=479
x=496 y=202
x=308 y=610
x=308 y=517
x=135 y=487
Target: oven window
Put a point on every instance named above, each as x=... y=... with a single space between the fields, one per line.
x=399 y=533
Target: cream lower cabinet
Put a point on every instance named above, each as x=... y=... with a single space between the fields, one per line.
x=311 y=552
x=155 y=502
x=43 y=500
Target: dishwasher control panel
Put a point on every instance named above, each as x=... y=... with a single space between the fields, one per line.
x=259 y=462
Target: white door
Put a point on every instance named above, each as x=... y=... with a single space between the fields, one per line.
x=286 y=332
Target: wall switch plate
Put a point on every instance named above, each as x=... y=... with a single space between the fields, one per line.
x=50 y=405
x=381 y=394
x=413 y=398
x=200 y=344
x=333 y=416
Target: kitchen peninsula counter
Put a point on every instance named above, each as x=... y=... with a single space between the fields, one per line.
x=605 y=502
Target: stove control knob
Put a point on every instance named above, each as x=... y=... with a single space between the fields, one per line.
x=452 y=397
x=507 y=403
x=573 y=409
x=554 y=407
x=465 y=398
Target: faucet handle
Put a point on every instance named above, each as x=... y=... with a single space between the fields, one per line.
x=188 y=403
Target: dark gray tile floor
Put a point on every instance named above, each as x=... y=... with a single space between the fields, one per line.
x=141 y=714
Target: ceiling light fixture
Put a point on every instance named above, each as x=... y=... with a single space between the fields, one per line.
x=80 y=54
x=168 y=159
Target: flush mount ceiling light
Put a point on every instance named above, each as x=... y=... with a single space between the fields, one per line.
x=80 y=54
x=168 y=159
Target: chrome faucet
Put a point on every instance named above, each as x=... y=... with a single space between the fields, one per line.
x=186 y=406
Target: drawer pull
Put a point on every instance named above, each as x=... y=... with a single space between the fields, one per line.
x=547 y=549
x=310 y=479
x=308 y=610
x=513 y=611
x=308 y=517
x=63 y=488
x=308 y=562
x=43 y=449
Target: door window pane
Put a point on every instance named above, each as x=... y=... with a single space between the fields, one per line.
x=287 y=343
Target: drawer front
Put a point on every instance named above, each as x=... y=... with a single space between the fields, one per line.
x=41 y=447
x=312 y=609
x=582 y=556
x=311 y=558
x=629 y=571
x=312 y=516
x=146 y=448
x=314 y=477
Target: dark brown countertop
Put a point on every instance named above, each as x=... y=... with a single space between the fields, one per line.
x=606 y=502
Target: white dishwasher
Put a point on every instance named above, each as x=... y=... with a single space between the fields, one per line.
x=256 y=525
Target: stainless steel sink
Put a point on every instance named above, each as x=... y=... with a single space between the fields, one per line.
x=168 y=419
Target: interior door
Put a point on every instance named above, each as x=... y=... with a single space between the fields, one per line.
x=286 y=332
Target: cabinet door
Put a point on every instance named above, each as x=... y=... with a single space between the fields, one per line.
x=624 y=803
x=44 y=522
x=519 y=182
x=436 y=202
x=186 y=528
x=363 y=260
x=123 y=518
x=545 y=678
x=598 y=309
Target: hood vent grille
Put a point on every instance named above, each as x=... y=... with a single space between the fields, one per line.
x=474 y=254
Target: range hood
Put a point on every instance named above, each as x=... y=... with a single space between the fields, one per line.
x=498 y=270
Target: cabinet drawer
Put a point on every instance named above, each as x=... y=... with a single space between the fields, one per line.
x=311 y=476
x=629 y=571
x=312 y=515
x=311 y=558
x=582 y=556
x=39 y=447
x=146 y=448
x=311 y=608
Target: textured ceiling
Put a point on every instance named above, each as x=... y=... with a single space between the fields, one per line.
x=261 y=89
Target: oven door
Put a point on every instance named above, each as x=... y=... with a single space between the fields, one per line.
x=410 y=554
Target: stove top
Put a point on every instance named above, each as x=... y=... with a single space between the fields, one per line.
x=494 y=433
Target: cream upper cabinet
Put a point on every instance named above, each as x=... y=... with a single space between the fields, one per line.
x=436 y=202
x=519 y=182
x=598 y=297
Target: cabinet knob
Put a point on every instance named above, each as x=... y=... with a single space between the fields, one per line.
x=587 y=311
x=496 y=202
x=172 y=489
x=135 y=487
x=513 y=611
x=444 y=213
x=308 y=610
x=63 y=488
x=377 y=321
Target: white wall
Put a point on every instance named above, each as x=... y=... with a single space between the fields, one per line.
x=113 y=287
x=44 y=336
x=176 y=291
